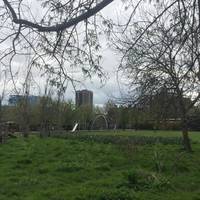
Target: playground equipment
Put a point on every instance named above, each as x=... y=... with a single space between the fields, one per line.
x=74 y=128
x=97 y=117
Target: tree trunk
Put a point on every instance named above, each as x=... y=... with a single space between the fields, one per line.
x=186 y=139
x=26 y=115
x=25 y=131
x=45 y=130
x=1 y=132
x=25 y=126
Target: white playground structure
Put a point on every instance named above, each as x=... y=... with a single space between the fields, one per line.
x=93 y=122
x=75 y=127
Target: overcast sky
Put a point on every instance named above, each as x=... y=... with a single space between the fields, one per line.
x=101 y=92
x=110 y=62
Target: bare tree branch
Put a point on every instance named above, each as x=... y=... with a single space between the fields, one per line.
x=59 y=27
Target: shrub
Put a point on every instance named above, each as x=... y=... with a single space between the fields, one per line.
x=132 y=178
x=170 y=125
x=158 y=159
x=180 y=165
x=142 y=180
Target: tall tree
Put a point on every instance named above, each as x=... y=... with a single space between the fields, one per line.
x=61 y=35
x=112 y=114
x=166 y=55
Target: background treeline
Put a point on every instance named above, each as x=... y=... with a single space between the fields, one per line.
x=48 y=114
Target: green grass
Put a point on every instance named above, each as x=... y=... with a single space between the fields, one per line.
x=65 y=169
x=194 y=135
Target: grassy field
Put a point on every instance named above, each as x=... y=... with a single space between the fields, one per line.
x=194 y=135
x=73 y=169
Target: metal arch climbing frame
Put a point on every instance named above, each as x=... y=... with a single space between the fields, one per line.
x=97 y=117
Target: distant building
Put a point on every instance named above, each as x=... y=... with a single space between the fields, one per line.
x=84 y=98
x=15 y=99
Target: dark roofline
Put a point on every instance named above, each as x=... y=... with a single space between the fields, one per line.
x=84 y=90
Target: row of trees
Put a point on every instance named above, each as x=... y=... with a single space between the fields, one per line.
x=159 y=112
x=153 y=114
x=45 y=116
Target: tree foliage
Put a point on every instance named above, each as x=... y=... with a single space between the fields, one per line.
x=166 y=55
x=57 y=36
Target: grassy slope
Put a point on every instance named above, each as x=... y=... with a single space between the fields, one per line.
x=58 y=169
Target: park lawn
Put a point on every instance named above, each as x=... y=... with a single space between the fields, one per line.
x=66 y=169
x=194 y=135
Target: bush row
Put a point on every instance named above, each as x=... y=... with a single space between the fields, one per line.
x=137 y=140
